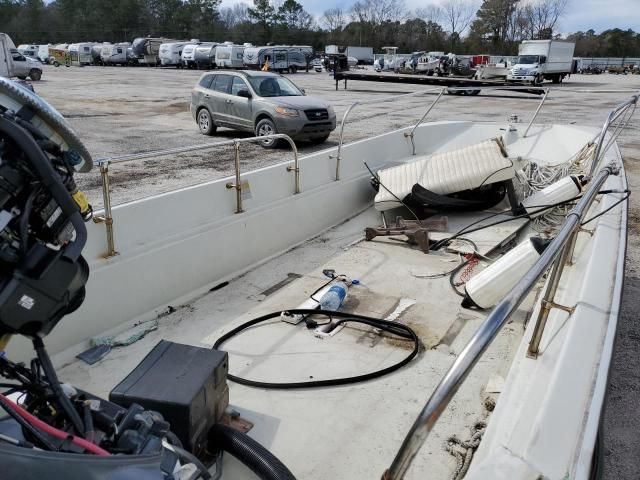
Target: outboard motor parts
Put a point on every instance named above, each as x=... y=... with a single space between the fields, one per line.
x=489 y=286
x=558 y=192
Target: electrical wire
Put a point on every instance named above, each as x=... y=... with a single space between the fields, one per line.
x=48 y=429
x=35 y=434
x=611 y=207
x=394 y=328
x=390 y=192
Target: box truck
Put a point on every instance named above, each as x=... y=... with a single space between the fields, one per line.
x=540 y=60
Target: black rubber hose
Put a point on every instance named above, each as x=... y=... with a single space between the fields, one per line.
x=249 y=452
x=394 y=328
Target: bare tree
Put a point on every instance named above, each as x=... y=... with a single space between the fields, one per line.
x=235 y=15
x=431 y=13
x=543 y=15
x=458 y=15
x=334 y=19
x=378 y=12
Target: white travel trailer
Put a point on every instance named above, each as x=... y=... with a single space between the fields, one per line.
x=28 y=50
x=170 y=54
x=115 y=54
x=43 y=53
x=205 y=55
x=188 y=56
x=146 y=49
x=96 y=52
x=280 y=58
x=81 y=53
x=229 y=55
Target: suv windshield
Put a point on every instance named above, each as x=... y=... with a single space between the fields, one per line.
x=527 y=59
x=274 y=87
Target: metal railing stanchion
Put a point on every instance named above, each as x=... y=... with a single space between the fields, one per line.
x=107 y=218
x=546 y=93
x=238 y=184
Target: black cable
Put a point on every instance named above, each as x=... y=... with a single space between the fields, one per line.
x=33 y=431
x=52 y=378
x=392 y=327
x=390 y=192
x=607 y=209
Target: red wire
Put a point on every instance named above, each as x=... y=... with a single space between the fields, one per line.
x=54 y=432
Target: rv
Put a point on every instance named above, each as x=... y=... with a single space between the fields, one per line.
x=96 y=52
x=229 y=55
x=188 y=55
x=28 y=50
x=170 y=54
x=117 y=54
x=80 y=54
x=146 y=49
x=205 y=55
x=279 y=58
x=43 y=53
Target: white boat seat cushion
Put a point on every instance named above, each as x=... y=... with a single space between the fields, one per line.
x=447 y=172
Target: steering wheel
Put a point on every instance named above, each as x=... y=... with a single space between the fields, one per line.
x=30 y=107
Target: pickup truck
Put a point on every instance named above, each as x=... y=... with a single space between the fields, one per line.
x=14 y=64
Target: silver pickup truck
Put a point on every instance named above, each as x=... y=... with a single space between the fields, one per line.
x=14 y=64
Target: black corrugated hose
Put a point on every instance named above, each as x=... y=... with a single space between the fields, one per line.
x=253 y=455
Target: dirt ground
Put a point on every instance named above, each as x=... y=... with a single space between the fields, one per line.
x=118 y=110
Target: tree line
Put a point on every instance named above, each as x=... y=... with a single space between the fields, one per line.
x=458 y=26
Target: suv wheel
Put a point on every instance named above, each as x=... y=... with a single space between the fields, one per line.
x=205 y=122
x=267 y=127
x=35 y=74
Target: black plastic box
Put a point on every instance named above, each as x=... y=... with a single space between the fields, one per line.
x=186 y=384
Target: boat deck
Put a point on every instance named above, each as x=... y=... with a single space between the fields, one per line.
x=335 y=432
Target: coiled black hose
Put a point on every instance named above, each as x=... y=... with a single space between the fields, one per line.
x=398 y=329
x=253 y=455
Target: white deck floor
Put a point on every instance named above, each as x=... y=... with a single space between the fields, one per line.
x=349 y=432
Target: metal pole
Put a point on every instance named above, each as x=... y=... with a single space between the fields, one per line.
x=433 y=104
x=546 y=93
x=296 y=166
x=237 y=185
x=547 y=300
x=107 y=219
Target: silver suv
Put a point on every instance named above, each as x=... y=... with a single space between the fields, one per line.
x=260 y=102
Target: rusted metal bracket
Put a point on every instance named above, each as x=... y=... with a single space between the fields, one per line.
x=416 y=231
x=548 y=304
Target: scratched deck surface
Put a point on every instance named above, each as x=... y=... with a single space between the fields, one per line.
x=351 y=431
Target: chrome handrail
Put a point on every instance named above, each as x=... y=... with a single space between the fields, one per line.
x=368 y=102
x=410 y=134
x=544 y=98
x=614 y=114
x=103 y=164
x=557 y=251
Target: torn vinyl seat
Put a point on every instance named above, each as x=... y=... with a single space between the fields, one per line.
x=469 y=178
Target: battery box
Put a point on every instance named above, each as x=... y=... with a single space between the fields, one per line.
x=186 y=384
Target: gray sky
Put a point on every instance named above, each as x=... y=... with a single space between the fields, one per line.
x=581 y=14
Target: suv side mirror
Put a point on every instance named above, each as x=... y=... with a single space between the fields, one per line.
x=244 y=93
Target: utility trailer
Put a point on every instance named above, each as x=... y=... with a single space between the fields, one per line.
x=426 y=80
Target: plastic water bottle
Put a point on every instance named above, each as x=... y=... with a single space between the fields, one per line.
x=333 y=299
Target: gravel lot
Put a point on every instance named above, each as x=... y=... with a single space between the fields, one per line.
x=119 y=110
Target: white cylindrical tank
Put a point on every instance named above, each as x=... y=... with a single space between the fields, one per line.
x=489 y=286
x=560 y=191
